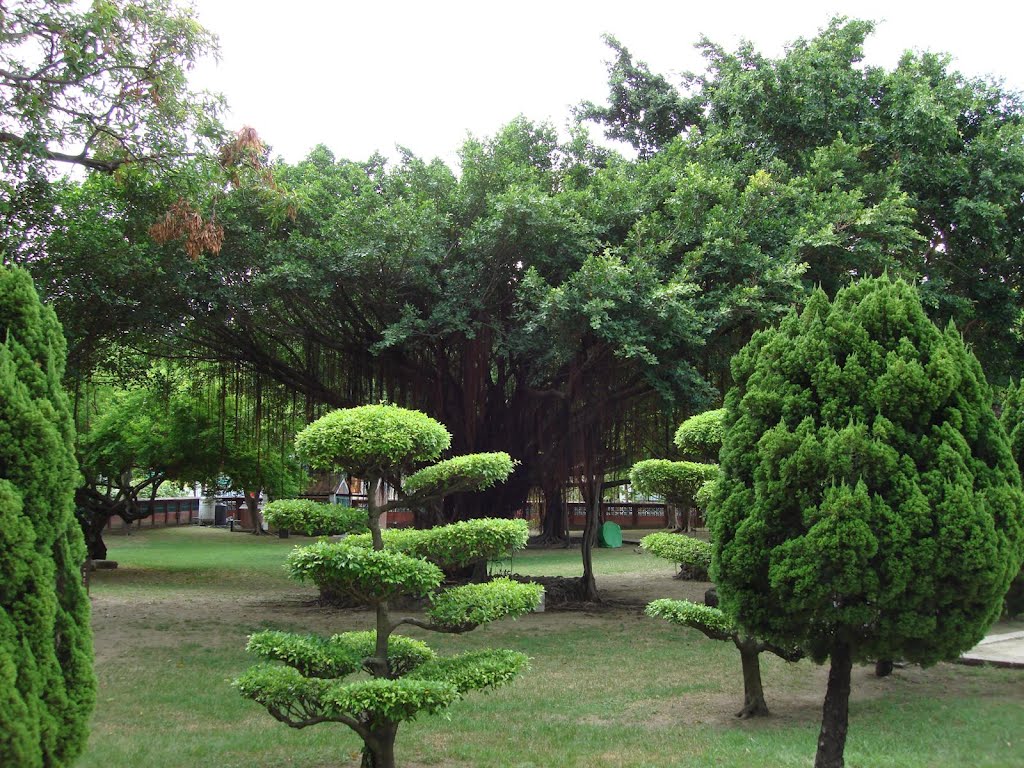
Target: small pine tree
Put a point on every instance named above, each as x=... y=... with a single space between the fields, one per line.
x=383 y=443
x=47 y=688
x=869 y=506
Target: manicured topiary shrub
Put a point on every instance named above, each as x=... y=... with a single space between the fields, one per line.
x=680 y=483
x=313 y=518
x=700 y=436
x=47 y=688
x=869 y=506
x=456 y=545
x=676 y=481
x=305 y=685
x=716 y=625
x=694 y=559
x=693 y=556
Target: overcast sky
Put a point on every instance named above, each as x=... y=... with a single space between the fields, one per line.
x=360 y=77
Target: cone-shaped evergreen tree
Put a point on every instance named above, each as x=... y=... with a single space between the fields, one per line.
x=869 y=505
x=47 y=686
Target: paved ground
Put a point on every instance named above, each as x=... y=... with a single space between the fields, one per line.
x=1004 y=650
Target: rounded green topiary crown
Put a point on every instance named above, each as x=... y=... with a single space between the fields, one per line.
x=372 y=440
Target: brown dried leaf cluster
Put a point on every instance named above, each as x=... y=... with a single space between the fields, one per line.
x=246 y=148
x=183 y=221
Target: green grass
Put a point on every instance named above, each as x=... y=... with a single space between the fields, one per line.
x=567 y=562
x=191 y=557
x=606 y=687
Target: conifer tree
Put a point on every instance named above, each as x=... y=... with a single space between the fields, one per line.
x=869 y=506
x=47 y=688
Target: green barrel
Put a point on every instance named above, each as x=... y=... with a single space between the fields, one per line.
x=609 y=535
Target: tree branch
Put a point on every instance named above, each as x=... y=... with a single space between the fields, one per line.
x=456 y=629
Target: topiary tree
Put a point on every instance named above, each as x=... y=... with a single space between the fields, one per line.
x=676 y=481
x=716 y=625
x=383 y=443
x=869 y=506
x=47 y=688
x=313 y=518
x=680 y=482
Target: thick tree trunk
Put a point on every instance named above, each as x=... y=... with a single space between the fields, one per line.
x=835 y=714
x=252 y=503
x=94 y=539
x=379 y=749
x=753 y=693
x=554 y=528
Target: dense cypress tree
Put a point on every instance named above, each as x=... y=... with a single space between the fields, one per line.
x=869 y=507
x=47 y=688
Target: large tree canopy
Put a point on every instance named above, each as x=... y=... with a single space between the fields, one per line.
x=101 y=85
x=917 y=170
x=558 y=300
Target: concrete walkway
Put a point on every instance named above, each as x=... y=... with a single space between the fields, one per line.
x=1004 y=650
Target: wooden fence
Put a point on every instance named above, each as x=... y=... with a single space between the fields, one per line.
x=185 y=511
x=163 y=512
x=623 y=514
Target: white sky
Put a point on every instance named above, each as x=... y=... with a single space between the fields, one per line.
x=360 y=77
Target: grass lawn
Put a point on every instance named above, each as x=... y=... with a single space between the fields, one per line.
x=607 y=687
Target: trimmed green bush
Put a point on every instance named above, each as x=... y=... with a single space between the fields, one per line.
x=474 y=671
x=337 y=656
x=692 y=555
x=47 y=687
x=689 y=614
x=372 y=440
x=363 y=573
x=384 y=443
x=474 y=604
x=475 y=472
x=455 y=545
x=302 y=701
x=700 y=436
x=869 y=506
x=713 y=623
x=677 y=481
x=314 y=518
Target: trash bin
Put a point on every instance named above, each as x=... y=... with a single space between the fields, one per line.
x=207 y=513
x=609 y=535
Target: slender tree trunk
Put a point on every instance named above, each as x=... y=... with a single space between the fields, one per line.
x=588 y=585
x=835 y=714
x=379 y=663
x=753 y=692
x=379 y=749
